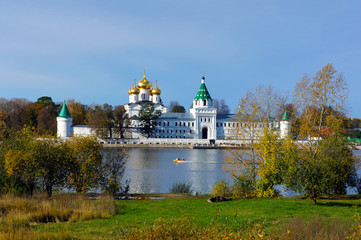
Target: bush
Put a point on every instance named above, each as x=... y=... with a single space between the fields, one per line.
x=221 y=188
x=243 y=188
x=181 y=188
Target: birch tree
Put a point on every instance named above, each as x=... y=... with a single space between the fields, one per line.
x=256 y=111
x=323 y=164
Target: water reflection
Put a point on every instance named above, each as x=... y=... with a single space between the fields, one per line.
x=152 y=170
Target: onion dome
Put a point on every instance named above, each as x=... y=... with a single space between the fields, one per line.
x=144 y=84
x=133 y=90
x=155 y=91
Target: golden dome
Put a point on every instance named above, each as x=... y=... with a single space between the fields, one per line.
x=144 y=84
x=133 y=90
x=156 y=91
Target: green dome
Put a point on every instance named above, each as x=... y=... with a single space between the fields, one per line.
x=64 y=112
x=285 y=117
x=203 y=93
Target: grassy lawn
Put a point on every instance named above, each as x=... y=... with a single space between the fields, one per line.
x=274 y=213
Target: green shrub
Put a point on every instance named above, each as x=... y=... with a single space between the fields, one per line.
x=221 y=188
x=243 y=188
x=181 y=188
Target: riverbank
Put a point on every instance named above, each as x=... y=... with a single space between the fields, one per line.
x=178 y=146
x=278 y=218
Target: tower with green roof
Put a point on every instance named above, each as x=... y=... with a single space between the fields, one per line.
x=64 y=122
x=202 y=98
x=204 y=113
x=285 y=126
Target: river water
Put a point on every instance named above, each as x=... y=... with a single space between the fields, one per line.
x=152 y=170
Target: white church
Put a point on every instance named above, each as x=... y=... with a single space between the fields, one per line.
x=202 y=121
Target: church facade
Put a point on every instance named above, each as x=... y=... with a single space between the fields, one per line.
x=201 y=122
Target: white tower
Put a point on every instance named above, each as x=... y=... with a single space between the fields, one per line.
x=64 y=122
x=204 y=113
x=285 y=126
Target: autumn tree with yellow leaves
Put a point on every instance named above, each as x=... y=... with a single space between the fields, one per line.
x=322 y=162
x=259 y=109
x=30 y=163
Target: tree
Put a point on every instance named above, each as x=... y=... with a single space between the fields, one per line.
x=77 y=112
x=30 y=160
x=355 y=123
x=85 y=161
x=108 y=120
x=121 y=120
x=330 y=171
x=45 y=101
x=31 y=115
x=222 y=107
x=46 y=120
x=51 y=159
x=272 y=162
x=18 y=164
x=172 y=104
x=324 y=165
x=16 y=111
x=147 y=117
x=113 y=168
x=318 y=97
x=178 y=109
x=4 y=129
x=253 y=114
x=101 y=118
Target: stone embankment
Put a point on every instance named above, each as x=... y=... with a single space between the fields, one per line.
x=173 y=143
x=187 y=143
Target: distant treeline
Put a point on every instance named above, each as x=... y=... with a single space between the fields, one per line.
x=41 y=115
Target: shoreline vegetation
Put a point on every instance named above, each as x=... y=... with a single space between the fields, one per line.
x=177 y=216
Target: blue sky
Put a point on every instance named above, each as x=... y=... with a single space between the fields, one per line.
x=93 y=50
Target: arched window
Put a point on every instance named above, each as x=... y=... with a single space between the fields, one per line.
x=204 y=102
x=176 y=124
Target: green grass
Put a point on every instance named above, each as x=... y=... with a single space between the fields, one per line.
x=275 y=213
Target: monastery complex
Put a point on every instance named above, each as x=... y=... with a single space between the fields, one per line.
x=202 y=121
